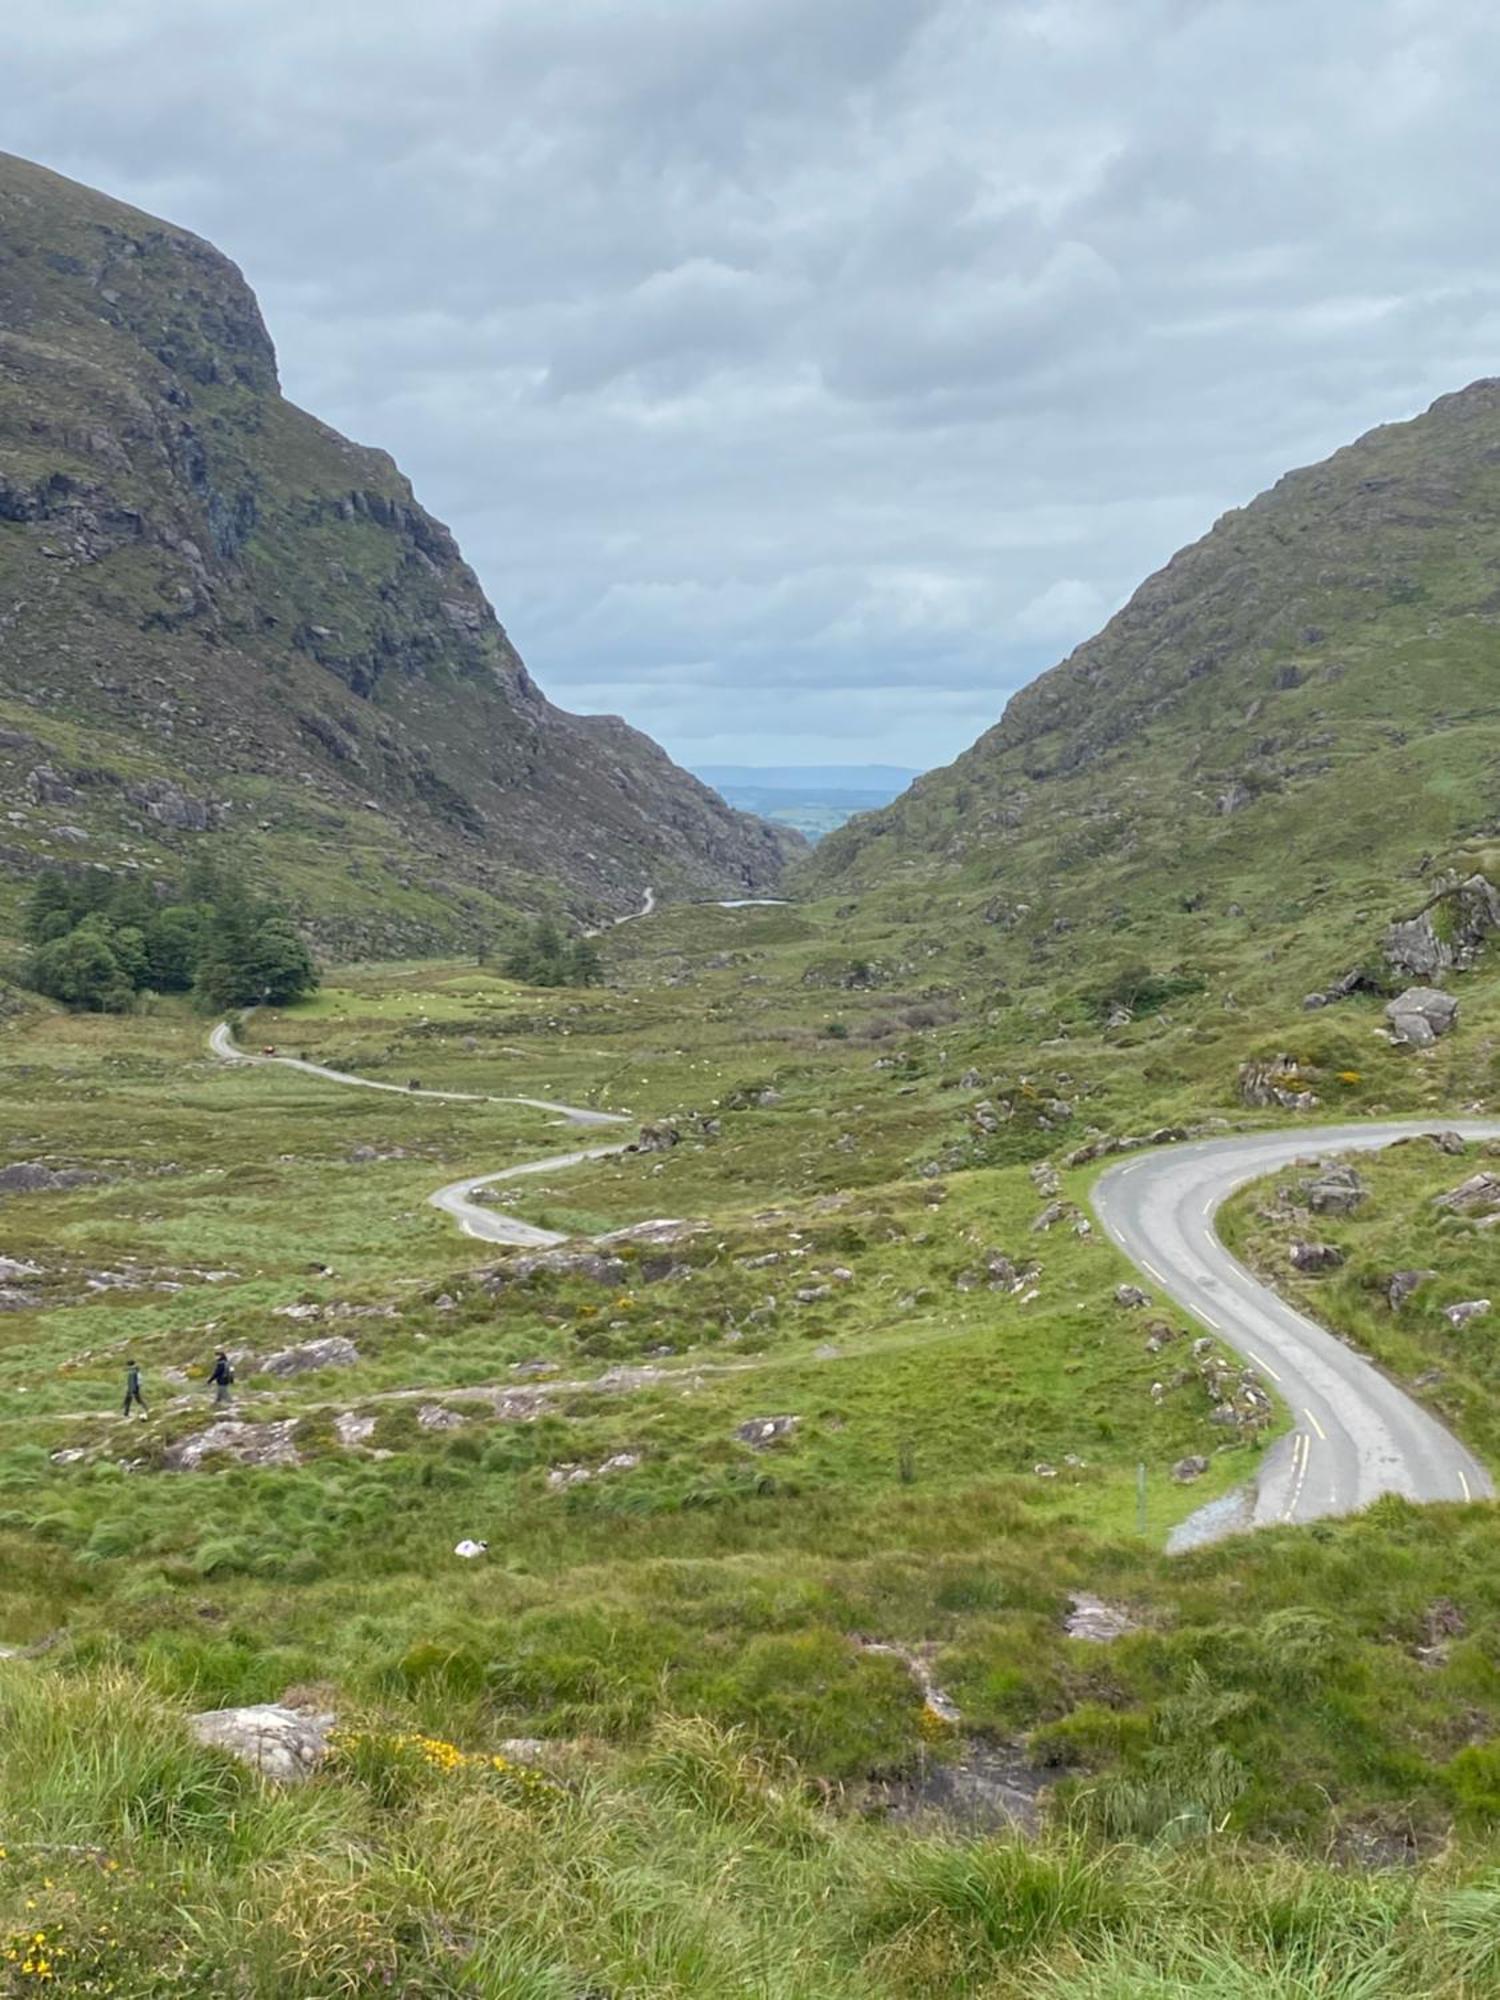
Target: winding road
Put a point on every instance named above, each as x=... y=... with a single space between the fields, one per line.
x=1356 y=1435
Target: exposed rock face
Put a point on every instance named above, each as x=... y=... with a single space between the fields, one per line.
x=1334 y=1190
x=36 y=1177
x=1449 y=933
x=1404 y=1284
x=1093 y=1619
x=1316 y=1257
x=1477 y=1197
x=261 y=624
x=1278 y=1082
x=285 y=1745
x=1420 y=1015
x=762 y=1431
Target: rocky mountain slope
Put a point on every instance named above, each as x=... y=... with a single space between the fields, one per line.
x=216 y=613
x=1298 y=715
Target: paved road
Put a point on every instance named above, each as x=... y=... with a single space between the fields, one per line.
x=474 y=1219
x=1356 y=1434
x=222 y=1042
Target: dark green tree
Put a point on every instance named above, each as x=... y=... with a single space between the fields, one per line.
x=82 y=969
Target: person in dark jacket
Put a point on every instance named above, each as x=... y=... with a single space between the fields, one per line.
x=221 y=1377
x=133 y=1389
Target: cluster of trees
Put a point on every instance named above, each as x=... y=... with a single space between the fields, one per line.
x=541 y=956
x=99 y=939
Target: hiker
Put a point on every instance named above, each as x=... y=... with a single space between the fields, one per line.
x=222 y=1376
x=133 y=1389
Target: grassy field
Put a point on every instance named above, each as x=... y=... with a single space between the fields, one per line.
x=699 y=1632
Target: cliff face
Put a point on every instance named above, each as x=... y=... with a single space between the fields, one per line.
x=1309 y=693
x=215 y=612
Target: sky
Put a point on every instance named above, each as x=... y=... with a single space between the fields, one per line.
x=803 y=376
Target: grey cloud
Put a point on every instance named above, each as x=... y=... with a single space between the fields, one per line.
x=864 y=353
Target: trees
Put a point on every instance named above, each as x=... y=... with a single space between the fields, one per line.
x=541 y=956
x=100 y=939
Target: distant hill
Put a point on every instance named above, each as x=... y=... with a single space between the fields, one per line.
x=812 y=798
x=1297 y=715
x=216 y=614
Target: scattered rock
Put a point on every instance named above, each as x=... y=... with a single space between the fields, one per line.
x=354 y=1428
x=1420 y=1015
x=1334 y=1190
x=332 y=1352
x=438 y=1417
x=762 y=1431
x=1316 y=1257
x=1091 y=1618
x=285 y=1745
x=1131 y=1297
x=562 y=1476
x=656 y=1139
x=1186 y=1470
x=1403 y=1284
x=251 y=1444
x=811 y=1294
x=1451 y=1142
x=1478 y=1194
x=1466 y=1310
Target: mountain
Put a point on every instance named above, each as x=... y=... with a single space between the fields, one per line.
x=1303 y=706
x=217 y=613
x=813 y=798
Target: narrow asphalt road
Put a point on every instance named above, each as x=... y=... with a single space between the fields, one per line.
x=1356 y=1434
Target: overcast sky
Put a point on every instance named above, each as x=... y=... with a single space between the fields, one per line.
x=802 y=376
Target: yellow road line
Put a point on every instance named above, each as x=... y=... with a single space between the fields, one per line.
x=1464 y=1484
x=1316 y=1425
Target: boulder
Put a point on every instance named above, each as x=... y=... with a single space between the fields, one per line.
x=657 y=1139
x=1186 y=1470
x=1420 y=1016
x=1467 y=1309
x=332 y=1352
x=1131 y=1297
x=1316 y=1257
x=283 y=1744
x=1478 y=1195
x=1449 y=933
x=763 y=1431
x=1276 y=1081
x=1334 y=1190
x=1092 y=1618
x=36 y=1177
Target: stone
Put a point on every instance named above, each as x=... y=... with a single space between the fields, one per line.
x=1453 y=1143
x=561 y=1476
x=1316 y=1257
x=1277 y=1082
x=1334 y=1190
x=251 y=1444
x=1420 y=1016
x=470 y=1550
x=332 y=1352
x=1473 y=1196
x=1186 y=1470
x=354 y=1428
x=657 y=1139
x=1402 y=1284
x=763 y=1431
x=811 y=1294
x=971 y=1079
x=1093 y=1619
x=285 y=1745
x=36 y=1177
x=1421 y=947
x=560 y=1263
x=1467 y=1309
x=1131 y=1297
x=985 y=1118
x=438 y=1417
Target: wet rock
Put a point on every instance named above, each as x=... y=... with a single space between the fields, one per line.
x=763 y=1431
x=332 y=1352
x=1186 y=1470
x=1421 y=1015
x=1093 y=1619
x=285 y=1745
x=1312 y=1257
x=1403 y=1284
x=250 y=1444
x=1466 y=1310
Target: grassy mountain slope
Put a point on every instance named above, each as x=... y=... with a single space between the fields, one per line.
x=215 y=611
x=1297 y=714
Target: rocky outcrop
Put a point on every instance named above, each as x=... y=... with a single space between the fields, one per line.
x=233 y=613
x=1449 y=933
x=1316 y=1257
x=1467 y=1309
x=309 y=1355
x=1420 y=1016
x=250 y=1444
x=1276 y=1081
x=285 y=1745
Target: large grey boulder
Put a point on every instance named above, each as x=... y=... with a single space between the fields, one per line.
x=1420 y=1015
x=1467 y=1309
x=1421 y=947
x=285 y=1745
x=1335 y=1190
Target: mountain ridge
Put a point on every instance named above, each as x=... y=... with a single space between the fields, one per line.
x=216 y=612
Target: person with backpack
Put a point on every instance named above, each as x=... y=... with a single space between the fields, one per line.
x=222 y=1376
x=133 y=1389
